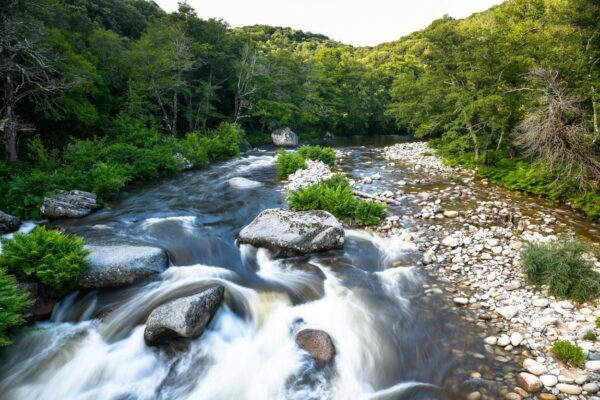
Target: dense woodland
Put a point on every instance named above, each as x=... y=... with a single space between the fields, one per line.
x=100 y=93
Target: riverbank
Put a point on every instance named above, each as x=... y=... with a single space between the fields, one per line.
x=477 y=253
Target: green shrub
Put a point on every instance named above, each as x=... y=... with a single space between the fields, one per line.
x=568 y=353
x=335 y=196
x=288 y=163
x=591 y=336
x=598 y=322
x=13 y=303
x=220 y=144
x=369 y=212
x=324 y=154
x=47 y=256
x=564 y=266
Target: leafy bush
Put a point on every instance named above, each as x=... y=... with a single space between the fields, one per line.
x=324 y=154
x=598 y=322
x=568 y=353
x=288 y=163
x=104 y=166
x=47 y=256
x=220 y=144
x=565 y=266
x=13 y=303
x=369 y=212
x=335 y=196
x=591 y=336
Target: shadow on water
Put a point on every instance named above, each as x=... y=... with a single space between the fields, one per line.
x=394 y=339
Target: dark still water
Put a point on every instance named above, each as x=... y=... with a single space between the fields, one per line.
x=395 y=337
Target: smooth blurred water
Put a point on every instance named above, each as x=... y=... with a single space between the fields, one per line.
x=392 y=340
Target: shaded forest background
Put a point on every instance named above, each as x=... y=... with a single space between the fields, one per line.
x=100 y=93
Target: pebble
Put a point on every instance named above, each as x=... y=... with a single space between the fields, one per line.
x=568 y=389
x=549 y=380
x=593 y=365
x=534 y=367
x=529 y=382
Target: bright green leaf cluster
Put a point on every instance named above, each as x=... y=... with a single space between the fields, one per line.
x=335 y=196
x=47 y=256
x=568 y=353
x=323 y=154
x=13 y=303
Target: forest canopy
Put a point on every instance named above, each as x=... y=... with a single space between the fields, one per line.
x=512 y=91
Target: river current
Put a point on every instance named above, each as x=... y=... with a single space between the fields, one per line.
x=395 y=335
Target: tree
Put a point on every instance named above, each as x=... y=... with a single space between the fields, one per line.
x=556 y=134
x=27 y=69
x=245 y=87
x=160 y=60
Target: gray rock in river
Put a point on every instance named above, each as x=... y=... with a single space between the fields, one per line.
x=291 y=233
x=243 y=183
x=8 y=223
x=73 y=204
x=113 y=266
x=185 y=318
x=284 y=137
x=316 y=343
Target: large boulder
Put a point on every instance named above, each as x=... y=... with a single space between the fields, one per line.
x=8 y=223
x=114 y=266
x=292 y=233
x=183 y=318
x=73 y=204
x=316 y=343
x=284 y=137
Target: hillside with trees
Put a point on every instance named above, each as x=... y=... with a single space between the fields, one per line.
x=97 y=94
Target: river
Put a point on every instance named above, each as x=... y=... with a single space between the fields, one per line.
x=395 y=333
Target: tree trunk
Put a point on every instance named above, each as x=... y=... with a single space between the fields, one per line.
x=10 y=126
x=475 y=141
x=175 y=112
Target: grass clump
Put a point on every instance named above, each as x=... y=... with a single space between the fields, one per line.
x=47 y=256
x=323 y=154
x=568 y=353
x=591 y=336
x=13 y=303
x=288 y=163
x=565 y=266
x=335 y=196
x=369 y=212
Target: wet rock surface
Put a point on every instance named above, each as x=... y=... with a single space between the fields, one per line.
x=114 y=266
x=186 y=317
x=73 y=204
x=284 y=137
x=291 y=233
x=8 y=223
x=317 y=344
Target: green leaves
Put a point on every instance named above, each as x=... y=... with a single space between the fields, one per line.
x=288 y=163
x=335 y=196
x=568 y=353
x=13 y=303
x=565 y=267
x=47 y=256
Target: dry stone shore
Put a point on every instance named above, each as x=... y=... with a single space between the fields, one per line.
x=477 y=251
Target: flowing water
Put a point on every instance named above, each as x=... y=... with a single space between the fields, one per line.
x=396 y=337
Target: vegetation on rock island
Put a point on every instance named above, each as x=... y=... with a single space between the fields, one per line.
x=289 y=162
x=335 y=195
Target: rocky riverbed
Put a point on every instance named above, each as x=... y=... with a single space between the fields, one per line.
x=475 y=252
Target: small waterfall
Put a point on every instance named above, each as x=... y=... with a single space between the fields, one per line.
x=391 y=343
